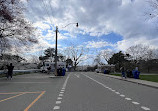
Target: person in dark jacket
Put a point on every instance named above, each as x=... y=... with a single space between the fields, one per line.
x=10 y=71
x=49 y=70
x=123 y=72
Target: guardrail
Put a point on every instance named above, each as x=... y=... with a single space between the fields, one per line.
x=21 y=71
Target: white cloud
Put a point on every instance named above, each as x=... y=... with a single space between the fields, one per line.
x=99 y=44
x=41 y=25
x=124 y=44
x=129 y=18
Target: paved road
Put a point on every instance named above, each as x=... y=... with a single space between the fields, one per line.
x=78 y=91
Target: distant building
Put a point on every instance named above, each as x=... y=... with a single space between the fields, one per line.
x=103 y=67
x=82 y=68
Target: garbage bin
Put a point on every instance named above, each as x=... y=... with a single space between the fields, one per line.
x=63 y=72
x=105 y=71
x=136 y=74
x=59 y=72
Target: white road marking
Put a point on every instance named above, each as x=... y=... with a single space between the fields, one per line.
x=96 y=81
x=56 y=107
x=117 y=92
x=78 y=76
x=58 y=102
x=59 y=98
x=145 y=108
x=60 y=94
x=65 y=83
x=128 y=99
x=136 y=103
x=113 y=90
x=122 y=95
x=109 y=88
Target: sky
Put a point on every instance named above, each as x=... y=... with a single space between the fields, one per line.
x=103 y=24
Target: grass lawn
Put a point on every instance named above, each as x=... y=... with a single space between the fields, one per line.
x=116 y=74
x=153 y=78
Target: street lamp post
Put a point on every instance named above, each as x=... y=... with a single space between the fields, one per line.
x=56 y=48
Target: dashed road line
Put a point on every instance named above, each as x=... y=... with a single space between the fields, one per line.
x=59 y=98
x=56 y=107
x=110 y=89
x=136 y=103
x=122 y=95
x=61 y=94
x=145 y=108
x=65 y=83
x=117 y=92
x=58 y=102
x=128 y=99
x=113 y=90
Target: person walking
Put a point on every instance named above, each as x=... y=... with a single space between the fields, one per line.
x=10 y=71
x=123 y=72
x=49 y=69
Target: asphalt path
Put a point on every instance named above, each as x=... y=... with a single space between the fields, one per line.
x=77 y=91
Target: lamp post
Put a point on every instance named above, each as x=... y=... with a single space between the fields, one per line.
x=56 y=48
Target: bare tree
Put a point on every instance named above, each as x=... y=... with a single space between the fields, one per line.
x=106 y=54
x=138 y=52
x=97 y=59
x=142 y=53
x=34 y=59
x=76 y=54
x=15 y=30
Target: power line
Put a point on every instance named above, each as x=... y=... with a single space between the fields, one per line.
x=45 y=7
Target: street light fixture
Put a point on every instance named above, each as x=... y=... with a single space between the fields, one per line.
x=56 y=49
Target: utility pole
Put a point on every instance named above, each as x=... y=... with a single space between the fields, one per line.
x=56 y=48
x=56 y=31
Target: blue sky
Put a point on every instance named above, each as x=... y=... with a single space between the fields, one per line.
x=103 y=25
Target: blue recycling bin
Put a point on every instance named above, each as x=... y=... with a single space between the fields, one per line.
x=136 y=74
x=105 y=71
x=63 y=72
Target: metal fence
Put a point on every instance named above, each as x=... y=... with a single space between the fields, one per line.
x=20 y=71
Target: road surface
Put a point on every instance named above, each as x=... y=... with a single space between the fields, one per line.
x=77 y=91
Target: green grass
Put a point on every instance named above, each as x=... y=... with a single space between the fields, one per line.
x=116 y=74
x=153 y=78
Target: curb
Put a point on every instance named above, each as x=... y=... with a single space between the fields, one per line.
x=133 y=82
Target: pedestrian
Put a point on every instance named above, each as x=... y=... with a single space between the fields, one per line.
x=10 y=71
x=123 y=72
x=49 y=69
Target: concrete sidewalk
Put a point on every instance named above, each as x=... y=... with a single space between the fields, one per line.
x=137 y=81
